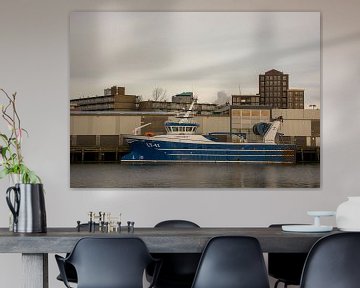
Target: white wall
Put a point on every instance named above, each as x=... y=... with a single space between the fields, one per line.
x=34 y=61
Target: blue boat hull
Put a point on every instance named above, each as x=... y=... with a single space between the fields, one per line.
x=151 y=150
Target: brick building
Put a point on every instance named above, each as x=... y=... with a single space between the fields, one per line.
x=273 y=88
x=295 y=99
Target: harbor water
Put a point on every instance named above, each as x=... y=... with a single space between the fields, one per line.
x=194 y=175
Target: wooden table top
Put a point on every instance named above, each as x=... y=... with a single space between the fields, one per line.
x=158 y=240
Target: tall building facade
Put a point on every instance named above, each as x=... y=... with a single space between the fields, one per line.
x=273 y=89
x=295 y=99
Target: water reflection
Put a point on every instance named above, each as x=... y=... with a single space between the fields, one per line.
x=232 y=175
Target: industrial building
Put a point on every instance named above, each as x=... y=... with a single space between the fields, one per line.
x=299 y=126
x=114 y=99
x=157 y=106
x=245 y=100
x=243 y=119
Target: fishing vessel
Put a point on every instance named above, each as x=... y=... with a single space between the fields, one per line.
x=181 y=143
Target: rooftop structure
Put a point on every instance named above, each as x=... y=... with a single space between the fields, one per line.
x=184 y=97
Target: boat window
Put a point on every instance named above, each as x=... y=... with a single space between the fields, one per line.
x=188 y=129
x=175 y=129
x=193 y=129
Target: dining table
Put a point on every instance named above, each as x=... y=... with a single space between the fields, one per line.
x=35 y=247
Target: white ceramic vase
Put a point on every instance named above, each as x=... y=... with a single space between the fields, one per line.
x=348 y=215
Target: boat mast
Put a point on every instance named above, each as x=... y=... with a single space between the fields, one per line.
x=184 y=118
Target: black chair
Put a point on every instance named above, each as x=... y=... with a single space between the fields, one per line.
x=333 y=262
x=176 y=224
x=232 y=262
x=108 y=262
x=178 y=269
x=69 y=269
x=286 y=267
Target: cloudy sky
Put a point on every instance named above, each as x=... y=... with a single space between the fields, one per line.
x=203 y=52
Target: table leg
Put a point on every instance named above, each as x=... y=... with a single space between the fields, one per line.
x=35 y=270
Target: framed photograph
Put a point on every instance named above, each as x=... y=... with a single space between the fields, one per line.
x=195 y=99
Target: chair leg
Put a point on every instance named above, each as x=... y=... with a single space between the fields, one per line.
x=277 y=283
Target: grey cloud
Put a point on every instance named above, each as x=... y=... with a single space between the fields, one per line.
x=213 y=51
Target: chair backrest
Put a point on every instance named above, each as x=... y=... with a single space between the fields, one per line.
x=232 y=262
x=178 y=269
x=176 y=224
x=286 y=266
x=333 y=262
x=110 y=262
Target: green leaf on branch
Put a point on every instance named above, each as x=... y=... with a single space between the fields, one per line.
x=4 y=137
x=3 y=173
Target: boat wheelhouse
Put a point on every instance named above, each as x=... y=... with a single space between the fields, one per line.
x=177 y=128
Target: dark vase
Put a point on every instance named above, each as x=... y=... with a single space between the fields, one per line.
x=27 y=204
